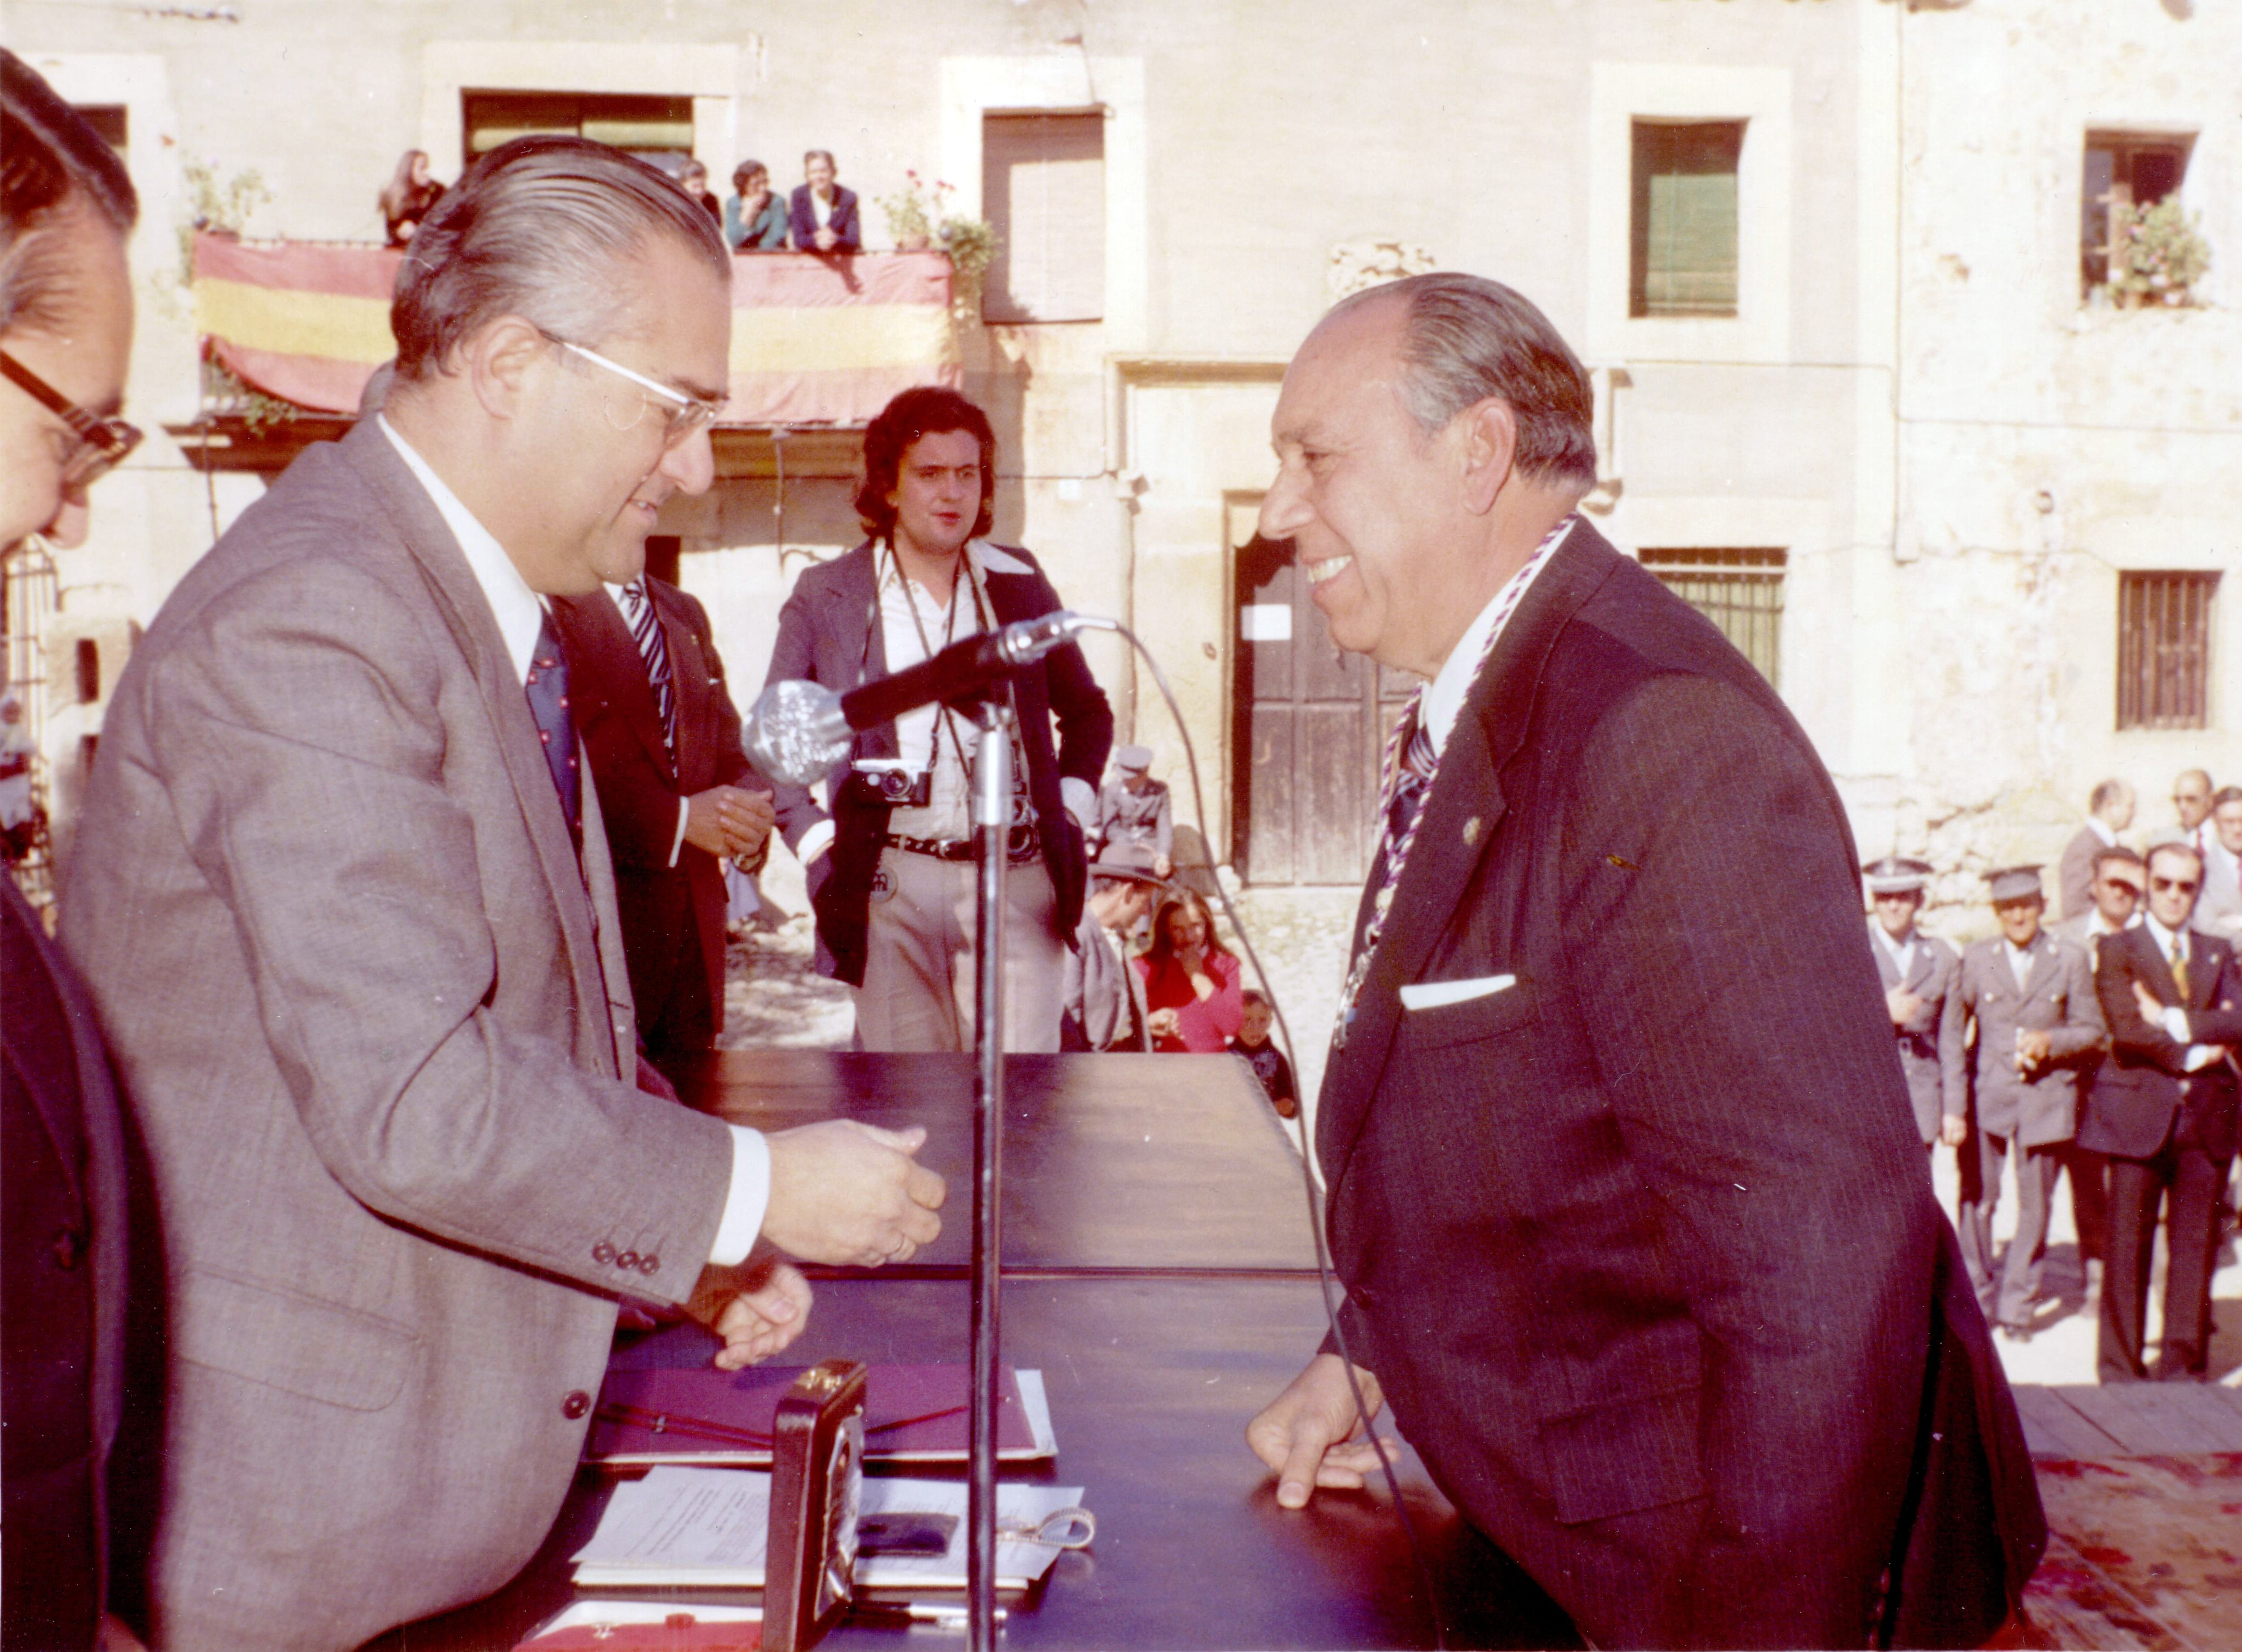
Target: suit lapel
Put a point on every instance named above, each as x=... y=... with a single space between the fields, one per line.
x=466 y=613
x=601 y=626
x=852 y=619
x=1461 y=825
x=2042 y=971
x=688 y=681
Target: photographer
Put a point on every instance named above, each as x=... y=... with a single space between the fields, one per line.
x=890 y=868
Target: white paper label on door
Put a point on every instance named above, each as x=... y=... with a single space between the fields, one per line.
x=1265 y=622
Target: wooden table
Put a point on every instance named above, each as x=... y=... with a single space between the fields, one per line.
x=1161 y=1275
x=1166 y=1162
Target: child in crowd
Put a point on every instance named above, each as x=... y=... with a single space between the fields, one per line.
x=1267 y=1061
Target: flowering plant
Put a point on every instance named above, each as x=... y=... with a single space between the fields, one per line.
x=918 y=216
x=2157 y=254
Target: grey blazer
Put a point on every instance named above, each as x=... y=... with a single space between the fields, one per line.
x=371 y=1019
x=1931 y=977
x=2059 y=998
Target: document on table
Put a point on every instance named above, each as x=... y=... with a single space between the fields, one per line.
x=708 y=1529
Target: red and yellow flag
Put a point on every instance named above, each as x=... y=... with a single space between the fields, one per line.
x=815 y=340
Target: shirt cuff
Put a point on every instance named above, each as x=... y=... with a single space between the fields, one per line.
x=2176 y=1024
x=815 y=842
x=2200 y=1056
x=677 y=843
x=749 y=1198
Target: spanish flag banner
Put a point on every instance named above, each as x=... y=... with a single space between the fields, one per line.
x=815 y=340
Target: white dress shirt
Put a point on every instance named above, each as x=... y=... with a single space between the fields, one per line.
x=1902 y=953
x=520 y=616
x=2175 y=1016
x=1444 y=700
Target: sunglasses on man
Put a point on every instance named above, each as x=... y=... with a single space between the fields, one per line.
x=103 y=444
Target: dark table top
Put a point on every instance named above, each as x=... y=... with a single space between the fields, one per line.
x=1151 y=1381
x=1110 y=1162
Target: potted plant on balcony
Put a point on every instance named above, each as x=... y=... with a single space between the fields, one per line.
x=2157 y=255
x=918 y=218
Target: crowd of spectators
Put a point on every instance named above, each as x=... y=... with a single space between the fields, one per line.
x=2102 y=1048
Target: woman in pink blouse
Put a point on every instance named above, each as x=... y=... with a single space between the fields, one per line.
x=1193 y=998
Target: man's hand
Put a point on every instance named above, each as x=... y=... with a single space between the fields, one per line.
x=2152 y=1007
x=1165 y=1023
x=846 y=1193
x=725 y=820
x=827 y=239
x=756 y=1308
x=2032 y=1047
x=1903 y=1006
x=1953 y=1130
x=1312 y=1436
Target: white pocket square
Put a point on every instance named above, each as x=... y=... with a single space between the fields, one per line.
x=1418 y=995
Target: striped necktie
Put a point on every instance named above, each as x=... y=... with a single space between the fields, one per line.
x=547 y=687
x=654 y=648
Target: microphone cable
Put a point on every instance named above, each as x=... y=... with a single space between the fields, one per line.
x=1324 y=1276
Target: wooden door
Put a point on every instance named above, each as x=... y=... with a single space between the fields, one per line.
x=1309 y=723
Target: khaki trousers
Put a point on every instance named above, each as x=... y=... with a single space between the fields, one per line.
x=918 y=990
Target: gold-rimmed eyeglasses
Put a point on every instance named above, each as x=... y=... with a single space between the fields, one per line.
x=685 y=415
x=103 y=444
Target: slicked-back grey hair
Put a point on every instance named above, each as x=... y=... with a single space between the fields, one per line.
x=1465 y=338
x=540 y=228
x=53 y=166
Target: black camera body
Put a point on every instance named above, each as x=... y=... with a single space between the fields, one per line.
x=882 y=781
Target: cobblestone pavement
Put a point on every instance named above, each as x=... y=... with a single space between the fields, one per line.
x=773 y=997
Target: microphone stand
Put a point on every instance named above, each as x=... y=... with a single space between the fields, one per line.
x=992 y=824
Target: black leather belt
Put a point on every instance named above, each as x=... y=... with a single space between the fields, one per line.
x=1023 y=846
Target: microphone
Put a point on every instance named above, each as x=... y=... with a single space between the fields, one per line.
x=799 y=730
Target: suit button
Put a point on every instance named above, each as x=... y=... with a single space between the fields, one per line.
x=603 y=1252
x=69 y=1245
x=576 y=1404
x=649 y=1264
x=628 y=1260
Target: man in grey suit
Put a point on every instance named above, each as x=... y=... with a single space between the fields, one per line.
x=2109 y=811
x=2219 y=910
x=1624 y=1188
x=2030 y=999
x=346 y=908
x=1919 y=972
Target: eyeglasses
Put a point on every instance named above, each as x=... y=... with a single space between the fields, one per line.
x=2183 y=885
x=687 y=415
x=103 y=444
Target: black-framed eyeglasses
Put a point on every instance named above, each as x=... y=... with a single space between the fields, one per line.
x=2169 y=885
x=103 y=444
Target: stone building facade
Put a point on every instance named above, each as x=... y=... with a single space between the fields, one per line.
x=1824 y=258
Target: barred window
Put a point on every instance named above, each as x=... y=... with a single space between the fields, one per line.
x=1740 y=590
x=2163 y=649
x=1683 y=225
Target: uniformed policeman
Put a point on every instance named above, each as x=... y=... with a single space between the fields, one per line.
x=1134 y=808
x=1918 y=974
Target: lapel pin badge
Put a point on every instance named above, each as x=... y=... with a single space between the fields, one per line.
x=1472 y=829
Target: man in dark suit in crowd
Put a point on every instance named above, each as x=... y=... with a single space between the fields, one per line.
x=2030 y=1000
x=890 y=864
x=2109 y=811
x=1919 y=972
x=663 y=739
x=2120 y=880
x=2163 y=1110
x=66 y=332
x=1624 y=1190
x=821 y=211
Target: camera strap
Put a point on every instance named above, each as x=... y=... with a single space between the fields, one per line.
x=946 y=719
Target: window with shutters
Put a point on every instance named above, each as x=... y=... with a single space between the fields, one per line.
x=1683 y=223
x=2123 y=169
x=1042 y=188
x=2163 y=649
x=658 y=130
x=1739 y=590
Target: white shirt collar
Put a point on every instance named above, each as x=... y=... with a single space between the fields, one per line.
x=1444 y=700
x=1902 y=951
x=989 y=559
x=2165 y=938
x=2100 y=828
x=520 y=616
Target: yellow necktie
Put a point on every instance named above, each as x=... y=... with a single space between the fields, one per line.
x=2180 y=968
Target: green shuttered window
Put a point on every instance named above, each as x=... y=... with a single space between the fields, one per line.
x=1684 y=217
